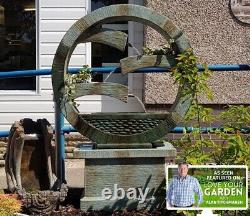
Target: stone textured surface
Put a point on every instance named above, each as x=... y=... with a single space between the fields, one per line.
x=217 y=38
x=165 y=151
x=124 y=126
x=3 y=182
x=131 y=128
x=127 y=171
x=74 y=172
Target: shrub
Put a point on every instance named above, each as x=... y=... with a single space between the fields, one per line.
x=9 y=204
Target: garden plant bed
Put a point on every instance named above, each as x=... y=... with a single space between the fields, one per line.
x=72 y=211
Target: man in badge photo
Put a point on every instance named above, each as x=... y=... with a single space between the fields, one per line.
x=182 y=189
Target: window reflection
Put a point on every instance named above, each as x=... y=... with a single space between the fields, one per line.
x=103 y=55
x=17 y=42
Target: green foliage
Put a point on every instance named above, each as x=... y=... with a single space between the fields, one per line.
x=205 y=114
x=199 y=148
x=234 y=148
x=166 y=49
x=236 y=118
x=193 y=83
x=187 y=75
x=187 y=213
x=238 y=150
x=71 y=81
x=9 y=205
x=196 y=147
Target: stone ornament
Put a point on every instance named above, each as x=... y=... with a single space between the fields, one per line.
x=118 y=128
x=29 y=167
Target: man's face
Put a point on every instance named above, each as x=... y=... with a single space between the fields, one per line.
x=183 y=170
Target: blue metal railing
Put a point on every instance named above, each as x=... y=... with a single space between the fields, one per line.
x=218 y=67
x=59 y=122
x=69 y=129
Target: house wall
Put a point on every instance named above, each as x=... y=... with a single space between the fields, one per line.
x=216 y=37
x=54 y=17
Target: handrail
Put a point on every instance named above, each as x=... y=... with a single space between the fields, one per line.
x=69 y=129
x=102 y=70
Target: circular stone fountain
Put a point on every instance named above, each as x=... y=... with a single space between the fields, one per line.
x=125 y=157
x=89 y=29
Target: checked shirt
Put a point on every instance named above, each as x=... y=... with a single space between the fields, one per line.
x=181 y=191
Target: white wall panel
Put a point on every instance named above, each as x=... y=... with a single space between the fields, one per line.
x=46 y=84
x=62 y=3
x=55 y=18
x=10 y=118
x=51 y=37
x=50 y=49
x=75 y=61
x=44 y=107
x=44 y=96
x=56 y=25
x=62 y=13
x=35 y=106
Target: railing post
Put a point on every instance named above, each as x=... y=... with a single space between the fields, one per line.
x=60 y=142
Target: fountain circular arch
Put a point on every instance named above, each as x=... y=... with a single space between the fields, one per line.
x=86 y=27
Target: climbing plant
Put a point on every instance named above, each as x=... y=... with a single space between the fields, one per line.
x=84 y=75
x=165 y=49
x=187 y=73
x=198 y=147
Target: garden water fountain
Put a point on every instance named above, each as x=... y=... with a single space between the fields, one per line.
x=125 y=158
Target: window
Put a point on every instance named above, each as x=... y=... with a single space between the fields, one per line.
x=103 y=55
x=17 y=42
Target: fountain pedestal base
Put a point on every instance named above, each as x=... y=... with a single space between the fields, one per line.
x=125 y=178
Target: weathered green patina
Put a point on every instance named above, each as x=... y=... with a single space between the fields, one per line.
x=126 y=156
x=118 y=128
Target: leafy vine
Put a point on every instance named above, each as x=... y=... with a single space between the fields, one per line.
x=198 y=147
x=71 y=80
x=166 y=49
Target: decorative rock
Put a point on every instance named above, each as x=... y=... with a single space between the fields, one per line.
x=43 y=202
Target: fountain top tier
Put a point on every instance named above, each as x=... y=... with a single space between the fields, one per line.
x=119 y=128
